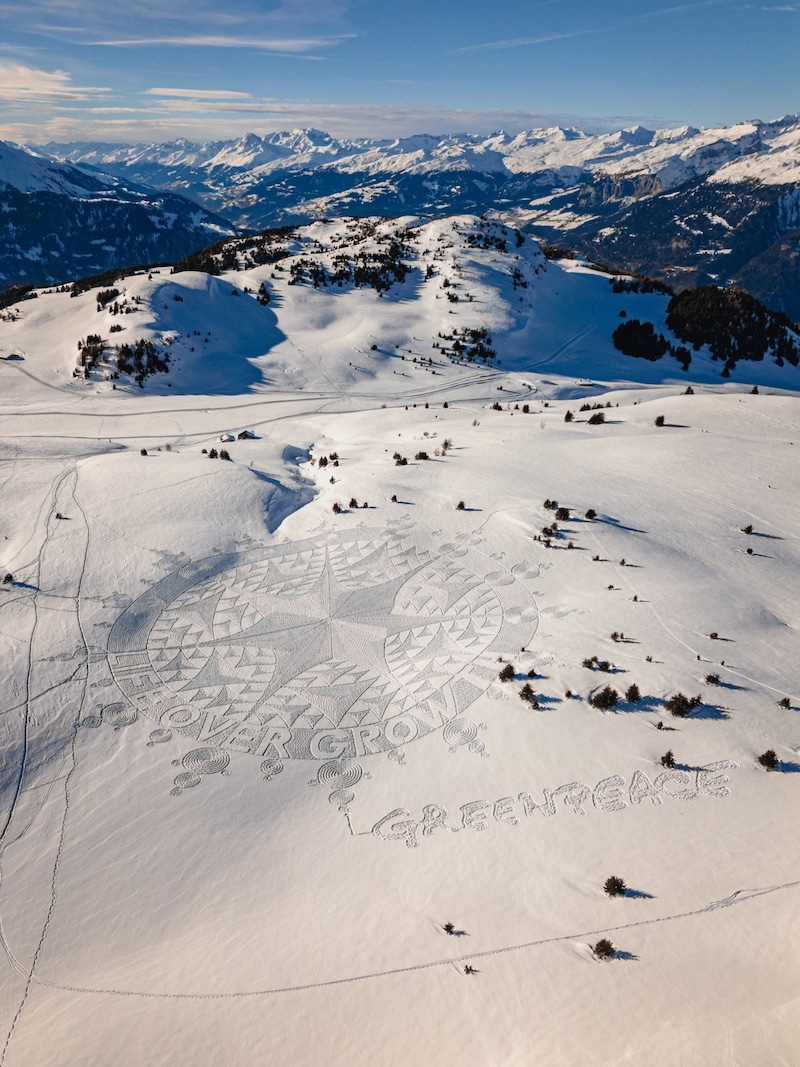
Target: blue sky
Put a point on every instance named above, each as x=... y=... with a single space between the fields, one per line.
x=131 y=70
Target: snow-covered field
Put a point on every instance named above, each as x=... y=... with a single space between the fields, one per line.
x=257 y=754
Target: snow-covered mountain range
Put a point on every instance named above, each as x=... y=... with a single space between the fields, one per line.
x=59 y=221
x=688 y=205
x=767 y=151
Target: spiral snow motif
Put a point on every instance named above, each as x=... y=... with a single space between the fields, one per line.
x=271 y=767
x=158 y=737
x=118 y=715
x=339 y=774
x=206 y=760
x=92 y=721
x=187 y=780
x=459 y=732
x=342 y=797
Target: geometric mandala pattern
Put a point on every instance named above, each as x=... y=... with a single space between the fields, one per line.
x=341 y=645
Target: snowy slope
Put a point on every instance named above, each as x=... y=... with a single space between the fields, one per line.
x=257 y=754
x=463 y=274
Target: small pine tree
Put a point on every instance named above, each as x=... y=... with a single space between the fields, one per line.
x=212 y=453
x=604 y=949
x=8 y=578
x=679 y=705
x=591 y=514
x=668 y=759
x=605 y=699
x=712 y=679
x=597 y=419
x=769 y=759
x=632 y=694
x=568 y=416
x=659 y=420
x=615 y=887
x=784 y=702
x=143 y=452
x=507 y=673
x=353 y=502
x=460 y=506
x=336 y=509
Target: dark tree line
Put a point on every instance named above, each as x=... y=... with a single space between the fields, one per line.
x=639 y=339
x=733 y=324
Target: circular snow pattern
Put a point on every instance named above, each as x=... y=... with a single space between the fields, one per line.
x=339 y=646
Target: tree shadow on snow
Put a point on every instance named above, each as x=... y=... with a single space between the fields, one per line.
x=608 y=521
x=707 y=711
x=546 y=702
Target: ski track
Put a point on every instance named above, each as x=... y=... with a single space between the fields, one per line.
x=739 y=896
x=70 y=476
x=28 y=718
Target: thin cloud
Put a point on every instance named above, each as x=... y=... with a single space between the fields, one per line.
x=675 y=9
x=22 y=84
x=520 y=42
x=199 y=94
x=203 y=121
x=290 y=45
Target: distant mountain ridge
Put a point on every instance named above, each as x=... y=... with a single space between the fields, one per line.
x=689 y=206
x=673 y=156
x=59 y=221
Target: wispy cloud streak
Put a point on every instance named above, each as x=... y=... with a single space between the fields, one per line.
x=521 y=42
x=268 y=44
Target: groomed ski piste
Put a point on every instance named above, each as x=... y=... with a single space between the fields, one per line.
x=265 y=796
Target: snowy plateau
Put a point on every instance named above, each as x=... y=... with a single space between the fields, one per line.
x=395 y=671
